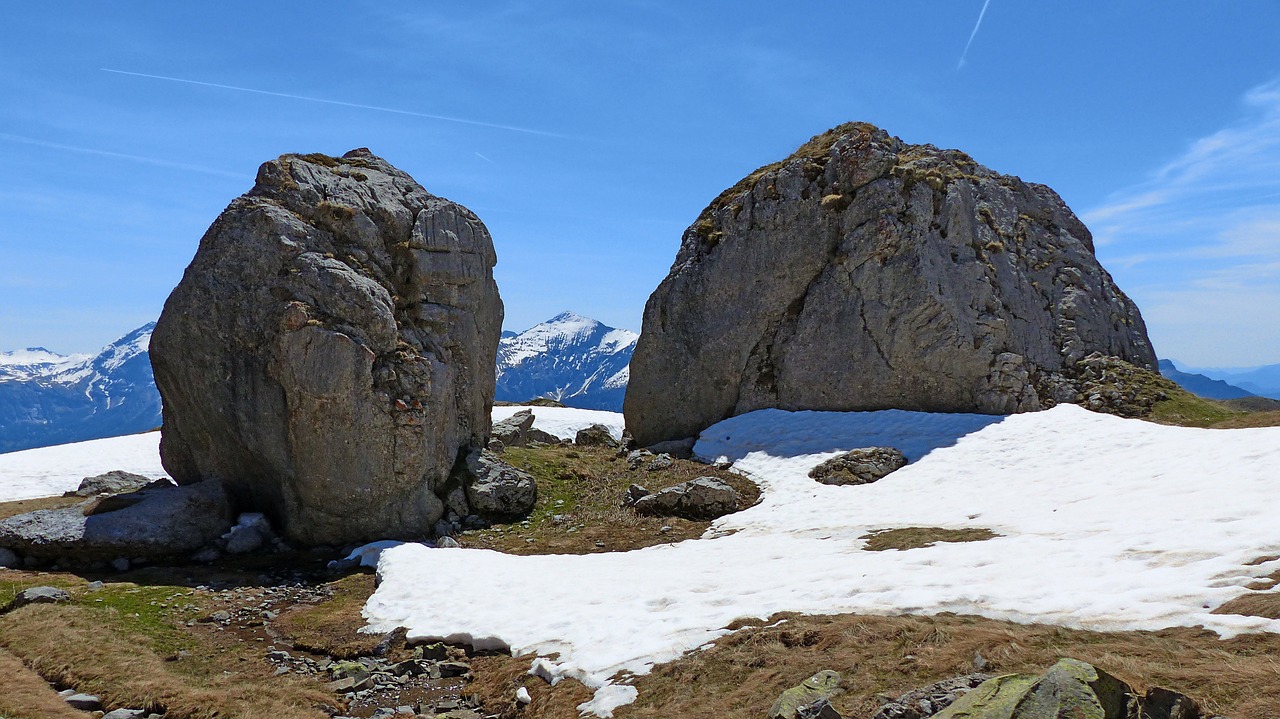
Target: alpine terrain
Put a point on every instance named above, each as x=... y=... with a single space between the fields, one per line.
x=47 y=398
x=569 y=358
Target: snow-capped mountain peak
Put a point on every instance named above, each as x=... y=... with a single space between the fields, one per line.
x=570 y=358
x=47 y=398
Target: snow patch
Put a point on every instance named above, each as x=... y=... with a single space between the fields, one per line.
x=1105 y=523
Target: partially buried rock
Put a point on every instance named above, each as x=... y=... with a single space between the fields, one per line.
x=865 y=273
x=859 y=466
x=329 y=351
x=700 y=499
x=113 y=482
x=597 y=435
x=160 y=520
x=799 y=702
x=494 y=487
x=1070 y=688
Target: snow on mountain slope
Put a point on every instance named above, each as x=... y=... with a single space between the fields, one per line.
x=48 y=399
x=1103 y=523
x=569 y=358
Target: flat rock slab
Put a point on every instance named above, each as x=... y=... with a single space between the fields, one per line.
x=159 y=521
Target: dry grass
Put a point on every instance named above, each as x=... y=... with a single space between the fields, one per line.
x=73 y=646
x=579 y=504
x=1253 y=419
x=331 y=627
x=917 y=537
x=884 y=656
x=26 y=696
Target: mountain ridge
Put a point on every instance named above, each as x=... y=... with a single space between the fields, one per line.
x=570 y=358
x=48 y=399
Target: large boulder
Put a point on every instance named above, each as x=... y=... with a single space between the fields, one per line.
x=699 y=499
x=495 y=488
x=865 y=273
x=158 y=521
x=330 y=349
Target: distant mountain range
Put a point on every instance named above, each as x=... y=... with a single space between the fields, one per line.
x=569 y=358
x=1262 y=381
x=1202 y=385
x=47 y=398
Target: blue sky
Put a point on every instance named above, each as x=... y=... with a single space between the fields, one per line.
x=587 y=136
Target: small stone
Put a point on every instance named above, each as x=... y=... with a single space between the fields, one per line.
x=447 y=543
x=84 y=702
x=94 y=586
x=659 y=463
x=454 y=669
x=125 y=714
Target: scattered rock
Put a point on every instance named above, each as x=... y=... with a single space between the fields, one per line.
x=927 y=701
x=816 y=690
x=637 y=457
x=538 y=436
x=1165 y=704
x=659 y=463
x=859 y=466
x=494 y=487
x=924 y=281
x=702 y=498
x=160 y=520
x=633 y=494
x=113 y=482
x=125 y=714
x=36 y=595
x=84 y=702
x=447 y=543
x=330 y=349
x=597 y=435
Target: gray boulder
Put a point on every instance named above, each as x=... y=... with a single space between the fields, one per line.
x=160 y=520
x=330 y=350
x=514 y=430
x=597 y=435
x=494 y=487
x=36 y=595
x=113 y=482
x=702 y=498
x=865 y=273
x=859 y=466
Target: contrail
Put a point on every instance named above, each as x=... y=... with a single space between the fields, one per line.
x=482 y=157
x=340 y=103
x=973 y=34
x=121 y=156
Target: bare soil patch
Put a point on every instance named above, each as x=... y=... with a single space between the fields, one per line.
x=916 y=537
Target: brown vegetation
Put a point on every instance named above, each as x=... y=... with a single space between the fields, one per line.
x=579 y=508
x=27 y=696
x=332 y=626
x=917 y=537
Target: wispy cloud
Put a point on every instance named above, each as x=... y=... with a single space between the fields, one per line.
x=1198 y=242
x=6 y=137
x=981 y=14
x=340 y=103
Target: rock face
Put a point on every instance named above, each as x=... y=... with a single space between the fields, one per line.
x=864 y=273
x=330 y=349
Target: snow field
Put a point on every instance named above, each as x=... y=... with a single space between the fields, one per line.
x=564 y=422
x=1106 y=524
x=50 y=471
